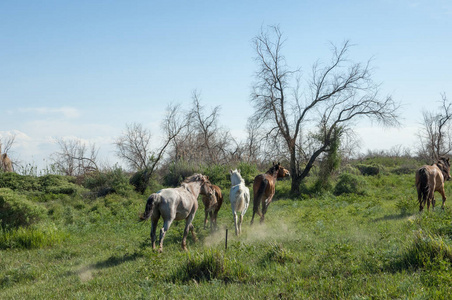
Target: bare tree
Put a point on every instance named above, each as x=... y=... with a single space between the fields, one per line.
x=202 y=140
x=134 y=146
x=75 y=157
x=336 y=94
x=435 y=137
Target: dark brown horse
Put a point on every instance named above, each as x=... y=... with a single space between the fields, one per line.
x=212 y=204
x=430 y=179
x=264 y=189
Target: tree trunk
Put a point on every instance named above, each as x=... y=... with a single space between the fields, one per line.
x=295 y=174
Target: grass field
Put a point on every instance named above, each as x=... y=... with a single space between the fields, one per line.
x=371 y=245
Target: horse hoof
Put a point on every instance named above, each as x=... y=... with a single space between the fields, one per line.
x=160 y=250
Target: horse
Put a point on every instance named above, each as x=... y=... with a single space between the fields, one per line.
x=212 y=204
x=176 y=204
x=430 y=179
x=264 y=189
x=5 y=163
x=240 y=199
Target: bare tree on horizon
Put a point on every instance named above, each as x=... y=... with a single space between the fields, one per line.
x=295 y=108
x=435 y=137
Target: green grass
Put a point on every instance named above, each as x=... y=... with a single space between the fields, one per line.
x=370 y=246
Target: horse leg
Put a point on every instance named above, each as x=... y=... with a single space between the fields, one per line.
x=265 y=204
x=206 y=214
x=214 y=220
x=193 y=234
x=166 y=226
x=256 y=210
x=153 y=229
x=188 y=227
x=443 y=195
x=431 y=196
x=240 y=223
x=211 y=220
x=234 y=214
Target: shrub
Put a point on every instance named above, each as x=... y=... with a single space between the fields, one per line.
x=350 y=184
x=15 y=181
x=204 y=267
x=57 y=184
x=104 y=183
x=405 y=169
x=370 y=170
x=16 y=210
x=177 y=172
x=140 y=180
x=248 y=171
x=218 y=175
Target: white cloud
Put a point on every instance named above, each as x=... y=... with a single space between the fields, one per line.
x=67 y=112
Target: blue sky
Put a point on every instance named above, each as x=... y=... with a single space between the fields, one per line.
x=85 y=69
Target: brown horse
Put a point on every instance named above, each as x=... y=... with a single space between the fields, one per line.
x=430 y=179
x=5 y=163
x=212 y=204
x=264 y=189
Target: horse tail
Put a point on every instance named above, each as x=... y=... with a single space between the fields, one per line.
x=259 y=194
x=149 y=206
x=423 y=186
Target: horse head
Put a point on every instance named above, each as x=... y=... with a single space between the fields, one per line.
x=444 y=165
x=278 y=170
x=283 y=172
x=236 y=178
x=206 y=186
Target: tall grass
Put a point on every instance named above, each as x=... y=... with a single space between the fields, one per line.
x=372 y=245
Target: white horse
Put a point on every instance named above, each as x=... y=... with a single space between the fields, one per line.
x=240 y=199
x=176 y=204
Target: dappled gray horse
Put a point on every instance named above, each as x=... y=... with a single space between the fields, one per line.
x=176 y=204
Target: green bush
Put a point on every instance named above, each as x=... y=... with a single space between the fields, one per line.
x=104 y=183
x=370 y=170
x=15 y=181
x=350 y=184
x=248 y=171
x=178 y=171
x=57 y=184
x=16 y=210
x=204 y=267
x=405 y=169
x=218 y=175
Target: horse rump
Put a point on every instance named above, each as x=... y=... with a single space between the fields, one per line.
x=149 y=207
x=423 y=188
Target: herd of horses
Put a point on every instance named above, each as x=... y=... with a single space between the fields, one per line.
x=181 y=203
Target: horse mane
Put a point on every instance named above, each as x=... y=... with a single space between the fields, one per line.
x=193 y=178
x=443 y=164
x=273 y=169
